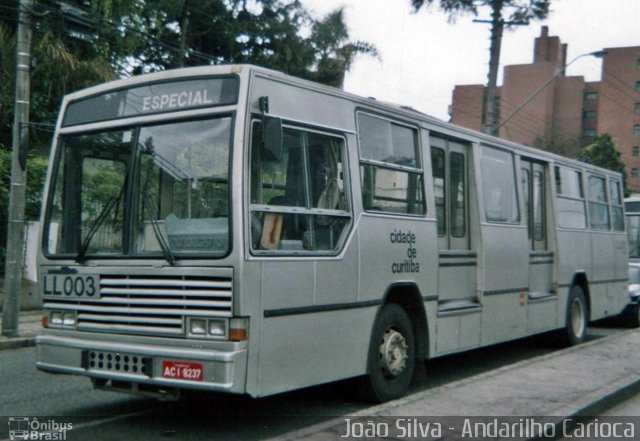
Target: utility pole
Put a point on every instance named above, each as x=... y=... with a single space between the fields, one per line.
x=184 y=29
x=490 y=105
x=17 y=192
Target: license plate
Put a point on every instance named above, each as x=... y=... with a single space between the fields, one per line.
x=181 y=370
x=71 y=285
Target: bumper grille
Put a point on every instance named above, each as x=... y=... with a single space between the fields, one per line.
x=117 y=362
x=156 y=305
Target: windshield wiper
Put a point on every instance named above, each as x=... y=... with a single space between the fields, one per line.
x=94 y=228
x=155 y=226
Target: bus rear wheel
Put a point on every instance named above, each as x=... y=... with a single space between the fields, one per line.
x=633 y=318
x=391 y=355
x=576 y=318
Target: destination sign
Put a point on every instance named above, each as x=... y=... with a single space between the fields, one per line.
x=153 y=98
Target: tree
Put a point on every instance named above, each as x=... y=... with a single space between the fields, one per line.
x=565 y=146
x=603 y=153
x=60 y=64
x=334 y=51
x=78 y=43
x=165 y=34
x=520 y=12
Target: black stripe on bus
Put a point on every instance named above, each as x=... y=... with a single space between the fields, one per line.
x=330 y=307
x=599 y=282
x=461 y=310
x=498 y=292
x=595 y=282
x=454 y=255
x=450 y=264
x=320 y=308
x=540 y=262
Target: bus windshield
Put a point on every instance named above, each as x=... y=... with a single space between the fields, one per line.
x=142 y=191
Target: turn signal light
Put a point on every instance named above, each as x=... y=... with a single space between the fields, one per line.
x=237 y=334
x=45 y=321
x=238 y=329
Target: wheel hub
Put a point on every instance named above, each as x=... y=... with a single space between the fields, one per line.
x=393 y=352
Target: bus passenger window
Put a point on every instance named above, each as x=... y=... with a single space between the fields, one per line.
x=439 y=189
x=571 y=211
x=390 y=170
x=598 y=204
x=617 y=216
x=457 y=194
x=499 y=186
x=298 y=203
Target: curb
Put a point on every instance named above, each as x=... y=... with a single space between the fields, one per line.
x=589 y=407
x=18 y=342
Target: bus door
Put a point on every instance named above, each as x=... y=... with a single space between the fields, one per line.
x=542 y=300
x=458 y=305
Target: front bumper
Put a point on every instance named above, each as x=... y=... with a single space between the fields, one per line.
x=223 y=364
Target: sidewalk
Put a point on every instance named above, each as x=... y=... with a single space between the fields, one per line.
x=30 y=326
x=579 y=381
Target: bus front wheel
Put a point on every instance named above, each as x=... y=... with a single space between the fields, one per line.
x=391 y=355
x=576 y=318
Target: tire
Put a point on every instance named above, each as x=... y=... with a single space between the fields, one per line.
x=633 y=319
x=576 y=318
x=392 y=353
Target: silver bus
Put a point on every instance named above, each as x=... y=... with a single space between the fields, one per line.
x=235 y=229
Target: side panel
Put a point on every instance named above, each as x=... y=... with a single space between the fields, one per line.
x=379 y=269
x=505 y=265
x=318 y=311
x=602 y=274
x=308 y=334
x=543 y=307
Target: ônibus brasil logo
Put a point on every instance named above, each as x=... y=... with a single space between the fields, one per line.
x=25 y=428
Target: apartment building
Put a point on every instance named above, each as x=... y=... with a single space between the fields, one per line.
x=563 y=113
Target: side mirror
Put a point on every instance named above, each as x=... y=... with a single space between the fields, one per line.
x=271 y=138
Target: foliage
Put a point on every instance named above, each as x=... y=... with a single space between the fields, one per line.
x=123 y=37
x=604 y=153
x=36 y=173
x=78 y=43
x=569 y=147
x=56 y=71
x=334 y=51
x=521 y=10
x=164 y=34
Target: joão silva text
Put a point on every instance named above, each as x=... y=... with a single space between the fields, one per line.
x=523 y=428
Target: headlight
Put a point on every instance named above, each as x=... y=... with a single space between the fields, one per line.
x=202 y=327
x=56 y=318
x=69 y=319
x=198 y=326
x=217 y=328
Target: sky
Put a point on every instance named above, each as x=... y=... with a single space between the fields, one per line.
x=423 y=56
